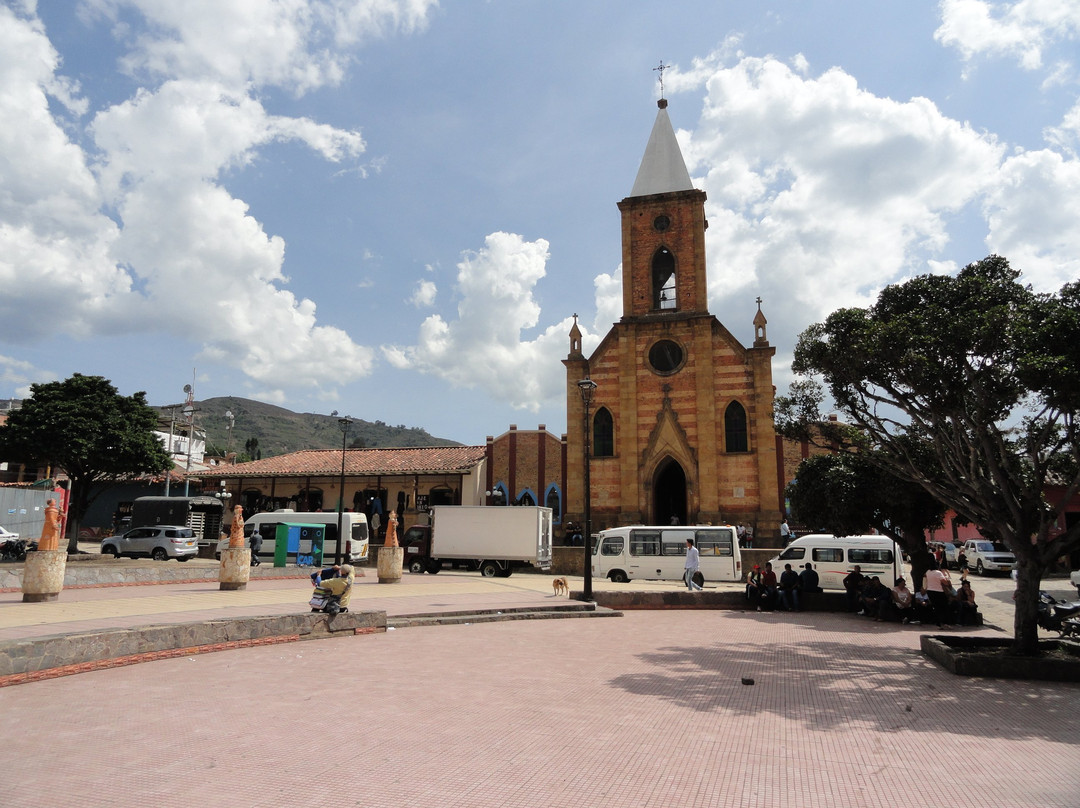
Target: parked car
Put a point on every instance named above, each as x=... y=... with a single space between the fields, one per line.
x=1074 y=578
x=159 y=542
x=7 y=535
x=985 y=556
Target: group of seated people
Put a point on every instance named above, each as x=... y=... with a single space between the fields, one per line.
x=766 y=592
x=937 y=602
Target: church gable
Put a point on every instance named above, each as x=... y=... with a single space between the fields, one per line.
x=667 y=439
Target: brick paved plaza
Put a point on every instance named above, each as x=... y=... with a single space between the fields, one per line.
x=643 y=710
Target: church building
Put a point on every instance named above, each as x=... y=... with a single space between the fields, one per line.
x=680 y=423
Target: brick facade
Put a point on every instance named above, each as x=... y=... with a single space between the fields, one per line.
x=528 y=463
x=667 y=373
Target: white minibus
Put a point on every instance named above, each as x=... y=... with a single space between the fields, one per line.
x=354 y=526
x=833 y=558
x=659 y=553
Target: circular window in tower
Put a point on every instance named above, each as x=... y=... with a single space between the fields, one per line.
x=661 y=223
x=666 y=356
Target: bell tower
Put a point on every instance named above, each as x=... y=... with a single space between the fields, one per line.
x=663 y=232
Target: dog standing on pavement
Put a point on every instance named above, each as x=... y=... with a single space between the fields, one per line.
x=561 y=587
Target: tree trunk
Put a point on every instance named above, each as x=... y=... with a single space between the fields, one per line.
x=920 y=563
x=1025 y=625
x=77 y=505
x=73 y=536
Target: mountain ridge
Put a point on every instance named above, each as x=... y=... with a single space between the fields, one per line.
x=278 y=430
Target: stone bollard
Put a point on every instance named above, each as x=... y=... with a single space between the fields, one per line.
x=235 y=570
x=43 y=575
x=390 y=559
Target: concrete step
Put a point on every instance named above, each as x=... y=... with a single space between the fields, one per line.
x=571 y=610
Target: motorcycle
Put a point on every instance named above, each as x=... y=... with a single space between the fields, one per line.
x=16 y=549
x=1058 y=615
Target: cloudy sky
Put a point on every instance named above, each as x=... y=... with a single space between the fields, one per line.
x=393 y=208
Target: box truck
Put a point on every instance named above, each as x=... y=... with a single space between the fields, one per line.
x=204 y=515
x=493 y=539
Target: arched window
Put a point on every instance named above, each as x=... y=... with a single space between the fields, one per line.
x=603 y=434
x=735 y=435
x=553 y=500
x=526 y=497
x=498 y=495
x=663 y=280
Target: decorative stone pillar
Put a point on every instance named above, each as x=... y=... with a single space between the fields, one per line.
x=391 y=555
x=235 y=570
x=43 y=575
x=390 y=559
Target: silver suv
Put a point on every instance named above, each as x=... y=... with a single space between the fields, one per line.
x=985 y=556
x=158 y=541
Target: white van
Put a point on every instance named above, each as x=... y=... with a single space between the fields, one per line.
x=659 y=553
x=833 y=558
x=354 y=526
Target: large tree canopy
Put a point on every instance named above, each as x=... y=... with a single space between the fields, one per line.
x=845 y=493
x=983 y=374
x=84 y=426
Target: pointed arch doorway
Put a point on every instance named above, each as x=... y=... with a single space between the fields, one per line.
x=669 y=494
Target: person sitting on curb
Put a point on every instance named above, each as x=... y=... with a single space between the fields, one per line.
x=768 y=583
x=789 y=590
x=339 y=587
x=754 y=587
x=875 y=599
x=319 y=576
x=808 y=579
x=924 y=611
x=853 y=583
x=903 y=602
x=966 y=610
x=937 y=587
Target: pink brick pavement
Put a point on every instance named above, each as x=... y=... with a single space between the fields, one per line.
x=643 y=710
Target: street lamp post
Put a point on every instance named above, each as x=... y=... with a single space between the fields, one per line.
x=344 y=424
x=587 y=387
x=229 y=432
x=189 y=414
x=172 y=448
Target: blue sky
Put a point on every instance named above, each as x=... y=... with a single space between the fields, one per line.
x=393 y=208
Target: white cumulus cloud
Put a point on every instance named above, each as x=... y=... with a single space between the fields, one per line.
x=109 y=220
x=821 y=192
x=1023 y=29
x=483 y=346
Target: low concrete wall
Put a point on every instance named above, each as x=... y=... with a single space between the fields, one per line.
x=985 y=656
x=682 y=599
x=121 y=571
x=24 y=660
x=567 y=560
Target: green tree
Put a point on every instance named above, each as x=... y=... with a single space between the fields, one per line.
x=85 y=427
x=846 y=492
x=982 y=373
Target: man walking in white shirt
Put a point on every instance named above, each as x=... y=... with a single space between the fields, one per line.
x=691 y=566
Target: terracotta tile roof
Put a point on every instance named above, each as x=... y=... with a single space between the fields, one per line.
x=358 y=462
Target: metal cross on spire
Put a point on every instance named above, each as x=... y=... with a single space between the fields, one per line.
x=661 y=70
